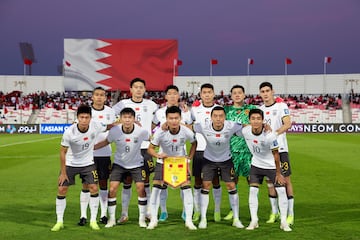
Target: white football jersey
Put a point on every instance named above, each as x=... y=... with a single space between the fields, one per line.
x=260 y=147
x=144 y=113
x=105 y=116
x=172 y=144
x=160 y=116
x=128 y=146
x=81 y=145
x=201 y=114
x=218 y=142
x=273 y=116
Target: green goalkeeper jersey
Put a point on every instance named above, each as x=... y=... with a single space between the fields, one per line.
x=241 y=155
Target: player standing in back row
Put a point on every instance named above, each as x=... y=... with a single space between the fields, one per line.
x=201 y=114
x=102 y=157
x=277 y=115
x=172 y=97
x=144 y=114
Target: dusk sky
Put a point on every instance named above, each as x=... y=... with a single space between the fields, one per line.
x=230 y=31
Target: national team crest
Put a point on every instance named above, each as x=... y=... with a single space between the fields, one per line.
x=175 y=171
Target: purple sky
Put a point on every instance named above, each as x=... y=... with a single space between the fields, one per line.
x=229 y=30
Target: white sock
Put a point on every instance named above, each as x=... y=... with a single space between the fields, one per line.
x=188 y=203
x=142 y=204
x=163 y=198
x=154 y=203
x=197 y=197
x=60 y=209
x=253 y=203
x=204 y=203
x=291 y=206
x=103 y=202
x=283 y=202
x=112 y=208
x=125 y=200
x=148 y=195
x=217 y=194
x=84 y=203
x=234 y=202
x=274 y=204
x=94 y=207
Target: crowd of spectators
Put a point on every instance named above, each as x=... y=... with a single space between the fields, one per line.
x=70 y=100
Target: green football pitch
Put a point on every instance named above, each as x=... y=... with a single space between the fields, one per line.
x=325 y=176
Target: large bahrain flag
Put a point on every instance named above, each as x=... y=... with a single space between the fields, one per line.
x=113 y=63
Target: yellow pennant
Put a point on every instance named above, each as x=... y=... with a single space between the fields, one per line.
x=175 y=171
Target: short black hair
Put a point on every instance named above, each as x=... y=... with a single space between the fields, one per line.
x=173 y=109
x=207 y=85
x=137 y=80
x=171 y=87
x=98 y=88
x=83 y=109
x=256 y=111
x=217 y=108
x=127 y=110
x=266 y=84
x=237 y=86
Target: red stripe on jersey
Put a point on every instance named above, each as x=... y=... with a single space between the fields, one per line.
x=267 y=113
x=127 y=140
x=255 y=141
x=137 y=109
x=217 y=135
x=174 y=140
x=101 y=116
x=207 y=112
x=180 y=166
x=86 y=138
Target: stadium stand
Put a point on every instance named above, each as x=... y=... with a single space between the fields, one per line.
x=61 y=107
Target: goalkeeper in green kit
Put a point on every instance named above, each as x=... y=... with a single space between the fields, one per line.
x=239 y=112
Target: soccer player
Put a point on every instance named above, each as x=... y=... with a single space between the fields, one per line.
x=217 y=157
x=172 y=97
x=144 y=114
x=77 y=157
x=277 y=115
x=201 y=114
x=264 y=163
x=128 y=137
x=241 y=155
x=171 y=143
x=102 y=157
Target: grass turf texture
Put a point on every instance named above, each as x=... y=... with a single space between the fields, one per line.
x=325 y=179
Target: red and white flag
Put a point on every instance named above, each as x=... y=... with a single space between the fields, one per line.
x=177 y=62
x=327 y=59
x=288 y=61
x=113 y=63
x=250 y=61
x=213 y=61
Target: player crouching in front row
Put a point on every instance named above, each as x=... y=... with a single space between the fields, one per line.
x=128 y=159
x=264 y=163
x=171 y=143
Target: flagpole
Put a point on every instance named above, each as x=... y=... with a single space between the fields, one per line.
x=285 y=67
x=324 y=77
x=248 y=68
x=174 y=65
x=210 y=68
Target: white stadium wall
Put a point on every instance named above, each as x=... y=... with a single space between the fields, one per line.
x=290 y=84
x=31 y=84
